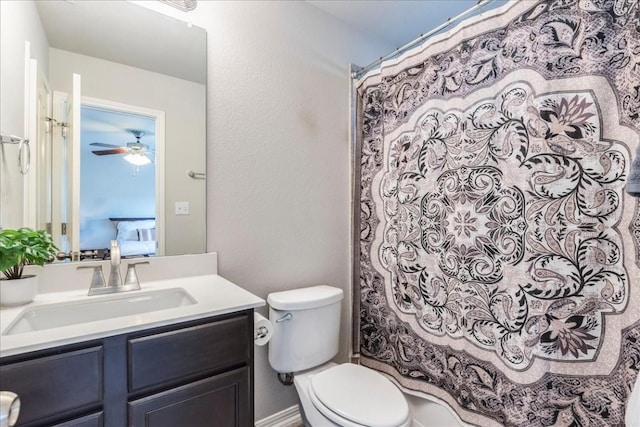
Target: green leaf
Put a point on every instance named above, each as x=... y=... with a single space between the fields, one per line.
x=24 y=246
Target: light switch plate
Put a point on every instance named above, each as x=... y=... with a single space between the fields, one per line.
x=182 y=208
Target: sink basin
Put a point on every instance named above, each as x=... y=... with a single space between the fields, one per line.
x=73 y=313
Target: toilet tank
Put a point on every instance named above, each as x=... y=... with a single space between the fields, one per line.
x=306 y=329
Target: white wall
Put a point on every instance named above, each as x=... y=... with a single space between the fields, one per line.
x=20 y=22
x=183 y=104
x=278 y=188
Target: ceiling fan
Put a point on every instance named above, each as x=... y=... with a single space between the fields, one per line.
x=136 y=152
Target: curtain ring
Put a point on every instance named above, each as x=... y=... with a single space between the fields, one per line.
x=23 y=164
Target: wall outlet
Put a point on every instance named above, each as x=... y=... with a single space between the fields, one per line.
x=182 y=208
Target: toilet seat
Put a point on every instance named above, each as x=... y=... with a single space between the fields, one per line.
x=354 y=396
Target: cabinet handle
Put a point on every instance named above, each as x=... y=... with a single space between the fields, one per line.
x=9 y=408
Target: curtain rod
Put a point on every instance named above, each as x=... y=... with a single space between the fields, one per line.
x=361 y=71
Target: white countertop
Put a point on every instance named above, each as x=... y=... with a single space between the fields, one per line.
x=214 y=295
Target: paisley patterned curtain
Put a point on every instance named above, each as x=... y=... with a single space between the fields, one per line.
x=496 y=251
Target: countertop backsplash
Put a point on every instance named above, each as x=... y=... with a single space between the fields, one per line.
x=59 y=277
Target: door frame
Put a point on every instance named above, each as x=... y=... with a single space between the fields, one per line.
x=159 y=117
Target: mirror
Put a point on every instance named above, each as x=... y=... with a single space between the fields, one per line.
x=135 y=169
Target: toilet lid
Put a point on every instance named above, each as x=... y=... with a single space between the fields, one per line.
x=360 y=395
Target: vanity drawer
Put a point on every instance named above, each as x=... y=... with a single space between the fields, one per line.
x=55 y=385
x=180 y=355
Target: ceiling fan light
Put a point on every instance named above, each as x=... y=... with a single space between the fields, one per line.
x=137 y=159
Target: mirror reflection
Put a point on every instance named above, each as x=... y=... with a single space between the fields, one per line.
x=120 y=150
x=122 y=155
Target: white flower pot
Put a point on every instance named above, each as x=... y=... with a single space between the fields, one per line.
x=18 y=291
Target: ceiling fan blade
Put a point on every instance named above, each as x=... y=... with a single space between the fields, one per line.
x=107 y=152
x=101 y=144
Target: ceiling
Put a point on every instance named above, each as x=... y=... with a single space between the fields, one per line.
x=395 y=22
x=113 y=127
x=112 y=28
x=128 y=34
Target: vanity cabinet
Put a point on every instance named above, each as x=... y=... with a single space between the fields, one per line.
x=197 y=373
x=192 y=404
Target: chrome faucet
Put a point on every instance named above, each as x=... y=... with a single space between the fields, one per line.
x=98 y=285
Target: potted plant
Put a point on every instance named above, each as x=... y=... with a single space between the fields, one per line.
x=19 y=248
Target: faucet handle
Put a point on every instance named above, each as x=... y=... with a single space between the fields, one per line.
x=97 y=280
x=131 y=279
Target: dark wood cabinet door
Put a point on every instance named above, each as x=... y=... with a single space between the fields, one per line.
x=55 y=386
x=219 y=401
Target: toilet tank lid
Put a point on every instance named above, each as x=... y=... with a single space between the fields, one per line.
x=303 y=298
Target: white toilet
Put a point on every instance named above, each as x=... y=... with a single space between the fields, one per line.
x=305 y=337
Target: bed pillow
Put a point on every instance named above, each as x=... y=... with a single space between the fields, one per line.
x=146 y=234
x=128 y=230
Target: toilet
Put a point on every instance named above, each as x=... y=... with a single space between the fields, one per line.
x=305 y=338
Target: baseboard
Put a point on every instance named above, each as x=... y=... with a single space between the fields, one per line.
x=289 y=417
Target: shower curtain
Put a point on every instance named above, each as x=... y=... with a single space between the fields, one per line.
x=496 y=255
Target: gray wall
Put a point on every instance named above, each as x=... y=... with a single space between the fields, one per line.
x=278 y=189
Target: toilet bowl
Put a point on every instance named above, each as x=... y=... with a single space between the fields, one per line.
x=349 y=395
x=305 y=338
